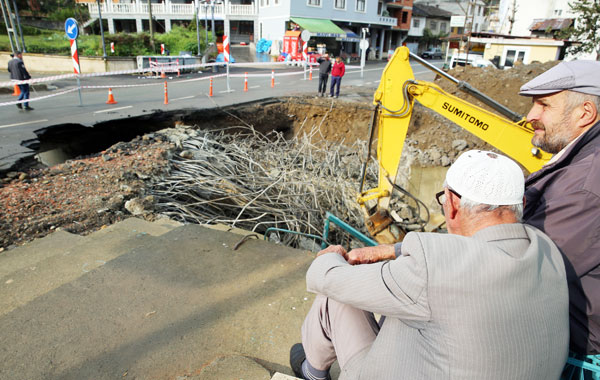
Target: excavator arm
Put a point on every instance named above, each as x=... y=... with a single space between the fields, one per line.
x=394 y=98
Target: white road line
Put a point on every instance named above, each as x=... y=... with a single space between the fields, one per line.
x=27 y=122
x=277 y=83
x=254 y=87
x=224 y=91
x=113 y=109
x=377 y=81
x=369 y=83
x=185 y=97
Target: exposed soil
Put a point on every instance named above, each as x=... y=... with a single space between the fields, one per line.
x=87 y=193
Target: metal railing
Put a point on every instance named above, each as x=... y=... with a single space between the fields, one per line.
x=170 y=9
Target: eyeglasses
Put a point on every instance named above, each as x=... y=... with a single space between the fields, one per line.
x=441 y=198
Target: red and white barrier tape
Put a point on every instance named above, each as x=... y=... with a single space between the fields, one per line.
x=39 y=98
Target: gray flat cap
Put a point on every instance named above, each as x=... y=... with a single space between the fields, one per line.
x=580 y=76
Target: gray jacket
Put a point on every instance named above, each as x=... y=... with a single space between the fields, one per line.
x=324 y=66
x=491 y=306
x=563 y=200
x=17 y=69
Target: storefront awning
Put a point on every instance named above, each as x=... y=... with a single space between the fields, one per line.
x=319 y=27
x=350 y=36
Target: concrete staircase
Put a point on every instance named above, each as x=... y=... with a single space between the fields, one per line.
x=150 y=300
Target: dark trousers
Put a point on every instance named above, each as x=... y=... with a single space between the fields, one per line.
x=24 y=93
x=323 y=83
x=335 y=82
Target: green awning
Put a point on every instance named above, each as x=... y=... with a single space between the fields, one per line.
x=319 y=27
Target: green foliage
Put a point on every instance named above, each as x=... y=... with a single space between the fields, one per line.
x=587 y=27
x=181 y=39
x=429 y=38
x=62 y=14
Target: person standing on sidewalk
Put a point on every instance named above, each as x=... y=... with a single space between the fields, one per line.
x=324 y=70
x=17 y=71
x=337 y=72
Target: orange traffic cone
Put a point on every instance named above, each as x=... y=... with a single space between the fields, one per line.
x=111 y=98
x=162 y=73
x=272 y=78
x=177 y=68
x=310 y=72
x=245 y=82
x=166 y=94
x=210 y=92
x=16 y=91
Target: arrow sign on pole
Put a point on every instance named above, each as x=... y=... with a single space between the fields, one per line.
x=71 y=28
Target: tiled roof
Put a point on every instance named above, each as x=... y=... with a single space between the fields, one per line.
x=430 y=11
x=550 y=23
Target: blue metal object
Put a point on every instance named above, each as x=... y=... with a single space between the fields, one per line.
x=589 y=364
x=330 y=218
x=71 y=28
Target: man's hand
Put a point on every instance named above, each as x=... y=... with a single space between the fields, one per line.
x=333 y=249
x=368 y=255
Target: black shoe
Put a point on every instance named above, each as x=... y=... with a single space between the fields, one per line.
x=20 y=106
x=297 y=357
x=28 y=108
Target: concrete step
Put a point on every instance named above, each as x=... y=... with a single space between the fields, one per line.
x=164 y=310
x=60 y=258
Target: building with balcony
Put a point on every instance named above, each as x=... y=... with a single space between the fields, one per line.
x=435 y=20
x=337 y=24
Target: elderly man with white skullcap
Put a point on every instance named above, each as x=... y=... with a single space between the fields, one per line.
x=563 y=198
x=488 y=300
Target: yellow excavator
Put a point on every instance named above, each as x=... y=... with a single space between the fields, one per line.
x=507 y=131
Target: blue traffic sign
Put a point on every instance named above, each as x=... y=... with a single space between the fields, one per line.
x=71 y=28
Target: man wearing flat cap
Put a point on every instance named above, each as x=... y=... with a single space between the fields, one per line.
x=563 y=198
x=488 y=301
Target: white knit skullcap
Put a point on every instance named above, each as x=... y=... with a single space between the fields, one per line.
x=487 y=177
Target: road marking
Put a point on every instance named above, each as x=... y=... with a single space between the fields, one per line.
x=27 y=122
x=185 y=97
x=369 y=83
x=232 y=90
x=113 y=109
x=254 y=87
x=377 y=81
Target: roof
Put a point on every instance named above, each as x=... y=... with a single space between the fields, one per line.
x=430 y=11
x=542 y=24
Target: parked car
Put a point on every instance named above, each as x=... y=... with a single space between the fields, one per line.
x=433 y=53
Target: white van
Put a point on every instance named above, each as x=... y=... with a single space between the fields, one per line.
x=475 y=60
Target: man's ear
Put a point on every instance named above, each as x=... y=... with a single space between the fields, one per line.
x=589 y=114
x=453 y=204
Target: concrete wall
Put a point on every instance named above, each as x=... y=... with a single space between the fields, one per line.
x=272 y=18
x=63 y=64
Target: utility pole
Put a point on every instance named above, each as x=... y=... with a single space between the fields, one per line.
x=10 y=26
x=151 y=26
x=19 y=26
x=101 y=31
x=512 y=18
x=197 y=28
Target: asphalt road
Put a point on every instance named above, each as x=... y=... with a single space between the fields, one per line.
x=147 y=95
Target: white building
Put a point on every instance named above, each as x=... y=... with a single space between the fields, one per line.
x=473 y=10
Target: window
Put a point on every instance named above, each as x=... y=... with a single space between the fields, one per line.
x=404 y=17
x=443 y=27
x=314 y=3
x=360 y=5
x=433 y=25
x=380 y=7
x=340 y=4
x=415 y=23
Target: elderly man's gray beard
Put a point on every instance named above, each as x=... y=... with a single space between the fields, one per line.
x=552 y=142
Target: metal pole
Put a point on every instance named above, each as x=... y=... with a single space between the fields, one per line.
x=19 y=26
x=197 y=29
x=212 y=26
x=4 y=13
x=228 y=88
x=206 y=23
x=101 y=31
x=151 y=27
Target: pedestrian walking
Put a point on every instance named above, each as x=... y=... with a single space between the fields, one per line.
x=17 y=71
x=324 y=70
x=337 y=72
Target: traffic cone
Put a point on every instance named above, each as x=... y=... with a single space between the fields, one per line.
x=16 y=91
x=111 y=98
x=310 y=72
x=272 y=78
x=210 y=92
x=162 y=74
x=177 y=68
x=166 y=94
x=245 y=82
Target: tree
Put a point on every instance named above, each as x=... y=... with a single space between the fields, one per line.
x=587 y=27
